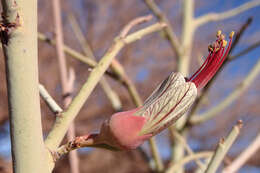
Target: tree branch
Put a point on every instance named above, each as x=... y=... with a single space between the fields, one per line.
x=67 y=82
x=227 y=14
x=181 y=163
x=245 y=51
x=178 y=136
x=51 y=103
x=168 y=30
x=69 y=51
x=110 y=93
x=19 y=43
x=130 y=25
x=156 y=155
x=118 y=71
x=62 y=123
x=244 y=156
x=223 y=147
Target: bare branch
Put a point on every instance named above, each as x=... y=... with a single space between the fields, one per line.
x=110 y=93
x=178 y=136
x=244 y=52
x=174 y=167
x=54 y=107
x=67 y=81
x=118 y=71
x=227 y=14
x=73 y=53
x=171 y=36
x=133 y=23
x=244 y=156
x=156 y=155
x=59 y=46
x=223 y=148
x=76 y=143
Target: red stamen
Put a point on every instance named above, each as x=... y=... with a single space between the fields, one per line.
x=211 y=65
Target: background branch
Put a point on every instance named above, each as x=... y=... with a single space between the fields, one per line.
x=178 y=136
x=118 y=70
x=176 y=166
x=51 y=103
x=227 y=14
x=171 y=36
x=111 y=94
x=223 y=148
x=67 y=81
x=245 y=51
x=244 y=156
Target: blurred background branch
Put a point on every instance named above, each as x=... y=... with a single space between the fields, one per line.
x=210 y=17
x=223 y=147
x=244 y=156
x=67 y=78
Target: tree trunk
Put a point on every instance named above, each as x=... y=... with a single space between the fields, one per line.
x=19 y=40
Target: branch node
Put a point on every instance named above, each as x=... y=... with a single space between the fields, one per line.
x=7 y=27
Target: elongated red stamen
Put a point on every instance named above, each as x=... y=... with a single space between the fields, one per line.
x=213 y=62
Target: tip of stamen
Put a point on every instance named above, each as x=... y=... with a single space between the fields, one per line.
x=231 y=34
x=218 y=33
x=224 y=43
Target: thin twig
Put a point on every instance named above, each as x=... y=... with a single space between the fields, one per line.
x=73 y=53
x=67 y=81
x=156 y=155
x=118 y=71
x=245 y=51
x=244 y=156
x=51 y=103
x=61 y=125
x=171 y=36
x=80 y=36
x=136 y=21
x=223 y=147
x=75 y=143
x=177 y=136
x=196 y=156
x=73 y=156
x=111 y=94
x=210 y=17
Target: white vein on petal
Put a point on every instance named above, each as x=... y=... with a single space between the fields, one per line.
x=172 y=92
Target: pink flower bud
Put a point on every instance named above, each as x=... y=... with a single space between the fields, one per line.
x=173 y=97
x=128 y=130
